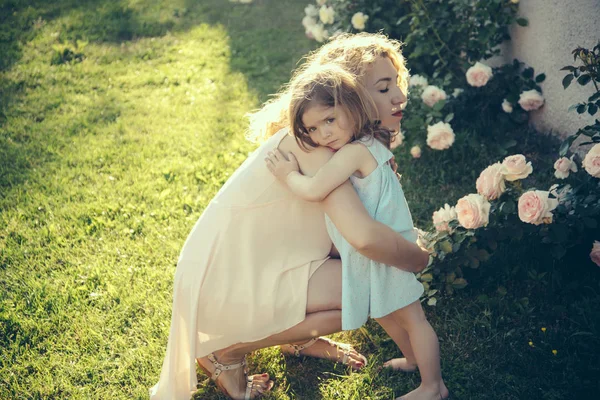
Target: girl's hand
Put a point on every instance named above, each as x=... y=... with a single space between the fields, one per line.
x=280 y=166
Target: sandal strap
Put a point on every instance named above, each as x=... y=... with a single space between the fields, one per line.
x=299 y=347
x=249 y=385
x=222 y=367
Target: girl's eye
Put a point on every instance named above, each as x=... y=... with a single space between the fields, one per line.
x=330 y=120
x=311 y=130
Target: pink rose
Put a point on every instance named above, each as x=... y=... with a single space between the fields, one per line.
x=564 y=166
x=397 y=140
x=442 y=216
x=531 y=100
x=535 y=207
x=415 y=151
x=591 y=162
x=440 y=136
x=516 y=167
x=490 y=183
x=473 y=211
x=595 y=254
x=432 y=94
x=479 y=75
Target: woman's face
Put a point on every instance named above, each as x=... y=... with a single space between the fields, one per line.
x=381 y=81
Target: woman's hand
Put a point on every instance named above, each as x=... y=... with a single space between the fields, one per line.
x=280 y=166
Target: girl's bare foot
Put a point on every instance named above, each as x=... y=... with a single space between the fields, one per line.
x=427 y=393
x=400 y=364
x=329 y=350
x=234 y=382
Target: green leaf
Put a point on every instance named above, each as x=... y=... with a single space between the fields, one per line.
x=592 y=108
x=459 y=283
x=528 y=73
x=446 y=246
x=522 y=21
x=509 y=143
x=540 y=78
x=568 y=68
x=473 y=262
x=426 y=277
x=483 y=255
x=449 y=117
x=567 y=80
x=439 y=105
x=581 y=108
x=594 y=97
x=590 y=223
x=584 y=80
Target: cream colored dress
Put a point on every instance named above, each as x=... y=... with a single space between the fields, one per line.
x=243 y=272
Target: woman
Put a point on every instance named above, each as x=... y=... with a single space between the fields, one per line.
x=255 y=270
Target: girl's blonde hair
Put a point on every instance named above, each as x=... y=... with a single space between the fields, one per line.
x=330 y=85
x=355 y=53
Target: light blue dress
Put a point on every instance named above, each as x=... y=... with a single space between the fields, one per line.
x=370 y=288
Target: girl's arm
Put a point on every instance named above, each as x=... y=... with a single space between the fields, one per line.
x=372 y=239
x=336 y=171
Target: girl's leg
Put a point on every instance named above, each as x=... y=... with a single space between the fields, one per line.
x=426 y=349
x=400 y=336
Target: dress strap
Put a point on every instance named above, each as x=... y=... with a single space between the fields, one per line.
x=381 y=153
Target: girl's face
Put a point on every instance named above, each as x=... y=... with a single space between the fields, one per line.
x=381 y=81
x=328 y=126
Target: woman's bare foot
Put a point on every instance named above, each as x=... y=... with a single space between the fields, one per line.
x=233 y=382
x=400 y=364
x=330 y=350
x=427 y=393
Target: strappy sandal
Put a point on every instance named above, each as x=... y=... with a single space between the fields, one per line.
x=346 y=349
x=219 y=368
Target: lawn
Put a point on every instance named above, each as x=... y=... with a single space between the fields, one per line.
x=119 y=120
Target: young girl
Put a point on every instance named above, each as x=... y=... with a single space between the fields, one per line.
x=329 y=108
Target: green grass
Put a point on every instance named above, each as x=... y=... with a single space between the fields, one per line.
x=105 y=165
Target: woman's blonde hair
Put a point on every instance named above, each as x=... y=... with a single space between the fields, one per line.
x=354 y=53
x=330 y=85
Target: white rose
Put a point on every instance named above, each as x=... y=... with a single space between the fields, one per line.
x=457 y=92
x=432 y=94
x=319 y=33
x=564 y=166
x=531 y=100
x=591 y=162
x=358 y=21
x=490 y=183
x=442 y=216
x=473 y=211
x=517 y=167
x=326 y=14
x=479 y=75
x=507 y=107
x=311 y=11
x=417 y=80
x=440 y=136
x=415 y=151
x=308 y=22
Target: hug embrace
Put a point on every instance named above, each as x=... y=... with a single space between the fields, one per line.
x=310 y=236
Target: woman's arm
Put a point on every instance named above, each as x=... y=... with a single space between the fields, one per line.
x=336 y=171
x=372 y=239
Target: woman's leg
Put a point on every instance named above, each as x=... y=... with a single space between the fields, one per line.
x=426 y=349
x=323 y=318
